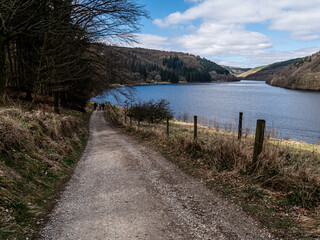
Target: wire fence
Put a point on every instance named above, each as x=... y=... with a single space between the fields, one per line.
x=207 y=131
x=282 y=165
x=310 y=136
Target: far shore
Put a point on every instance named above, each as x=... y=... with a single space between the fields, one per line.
x=164 y=83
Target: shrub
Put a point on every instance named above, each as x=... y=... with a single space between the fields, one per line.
x=151 y=111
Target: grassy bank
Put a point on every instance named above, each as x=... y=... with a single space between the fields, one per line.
x=37 y=154
x=282 y=191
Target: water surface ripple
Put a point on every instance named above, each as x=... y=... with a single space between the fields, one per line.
x=293 y=113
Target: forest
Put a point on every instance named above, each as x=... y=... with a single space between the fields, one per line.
x=170 y=67
x=49 y=50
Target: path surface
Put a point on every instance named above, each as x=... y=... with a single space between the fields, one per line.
x=123 y=190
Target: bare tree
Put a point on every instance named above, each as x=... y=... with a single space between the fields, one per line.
x=47 y=47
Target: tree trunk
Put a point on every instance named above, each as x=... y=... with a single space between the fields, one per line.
x=28 y=95
x=57 y=103
x=2 y=71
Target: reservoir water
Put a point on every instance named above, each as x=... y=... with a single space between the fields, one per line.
x=290 y=114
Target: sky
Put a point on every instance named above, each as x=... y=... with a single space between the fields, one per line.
x=239 y=33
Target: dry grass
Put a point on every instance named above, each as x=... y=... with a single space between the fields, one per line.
x=285 y=181
x=37 y=151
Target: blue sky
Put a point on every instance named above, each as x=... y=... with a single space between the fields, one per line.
x=242 y=33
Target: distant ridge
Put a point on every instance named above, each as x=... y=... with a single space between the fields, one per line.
x=154 y=66
x=269 y=71
x=236 y=71
x=251 y=71
x=298 y=73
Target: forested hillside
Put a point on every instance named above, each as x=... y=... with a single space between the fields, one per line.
x=266 y=73
x=299 y=73
x=149 y=66
x=302 y=74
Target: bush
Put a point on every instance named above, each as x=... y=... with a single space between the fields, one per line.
x=151 y=111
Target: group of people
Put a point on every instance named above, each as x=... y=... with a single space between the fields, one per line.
x=98 y=106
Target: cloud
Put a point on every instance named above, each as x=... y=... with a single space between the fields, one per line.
x=225 y=49
x=278 y=56
x=263 y=57
x=151 y=42
x=300 y=18
x=214 y=39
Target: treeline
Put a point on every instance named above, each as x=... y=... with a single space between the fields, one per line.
x=49 y=48
x=145 y=65
x=176 y=67
x=210 y=66
x=282 y=64
x=136 y=66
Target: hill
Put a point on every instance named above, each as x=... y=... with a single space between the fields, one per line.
x=251 y=71
x=267 y=73
x=153 y=66
x=236 y=71
x=302 y=74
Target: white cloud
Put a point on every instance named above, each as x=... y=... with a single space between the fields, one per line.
x=214 y=39
x=300 y=18
x=267 y=57
x=151 y=42
x=217 y=29
x=263 y=57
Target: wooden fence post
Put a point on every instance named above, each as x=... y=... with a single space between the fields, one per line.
x=167 y=126
x=240 y=126
x=258 y=144
x=195 y=134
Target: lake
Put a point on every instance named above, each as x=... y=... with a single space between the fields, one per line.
x=288 y=113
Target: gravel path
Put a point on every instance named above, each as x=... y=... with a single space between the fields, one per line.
x=123 y=190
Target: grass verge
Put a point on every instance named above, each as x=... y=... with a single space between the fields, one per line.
x=283 y=191
x=38 y=152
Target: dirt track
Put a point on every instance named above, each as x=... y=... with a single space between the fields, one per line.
x=123 y=190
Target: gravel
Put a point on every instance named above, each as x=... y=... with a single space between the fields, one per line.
x=123 y=190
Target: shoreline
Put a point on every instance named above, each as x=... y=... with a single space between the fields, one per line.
x=167 y=83
x=290 y=88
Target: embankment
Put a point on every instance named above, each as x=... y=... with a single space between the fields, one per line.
x=38 y=151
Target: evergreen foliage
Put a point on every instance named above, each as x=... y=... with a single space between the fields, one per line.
x=177 y=67
x=210 y=66
x=135 y=65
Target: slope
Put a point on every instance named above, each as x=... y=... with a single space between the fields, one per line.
x=266 y=73
x=236 y=71
x=146 y=65
x=302 y=74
